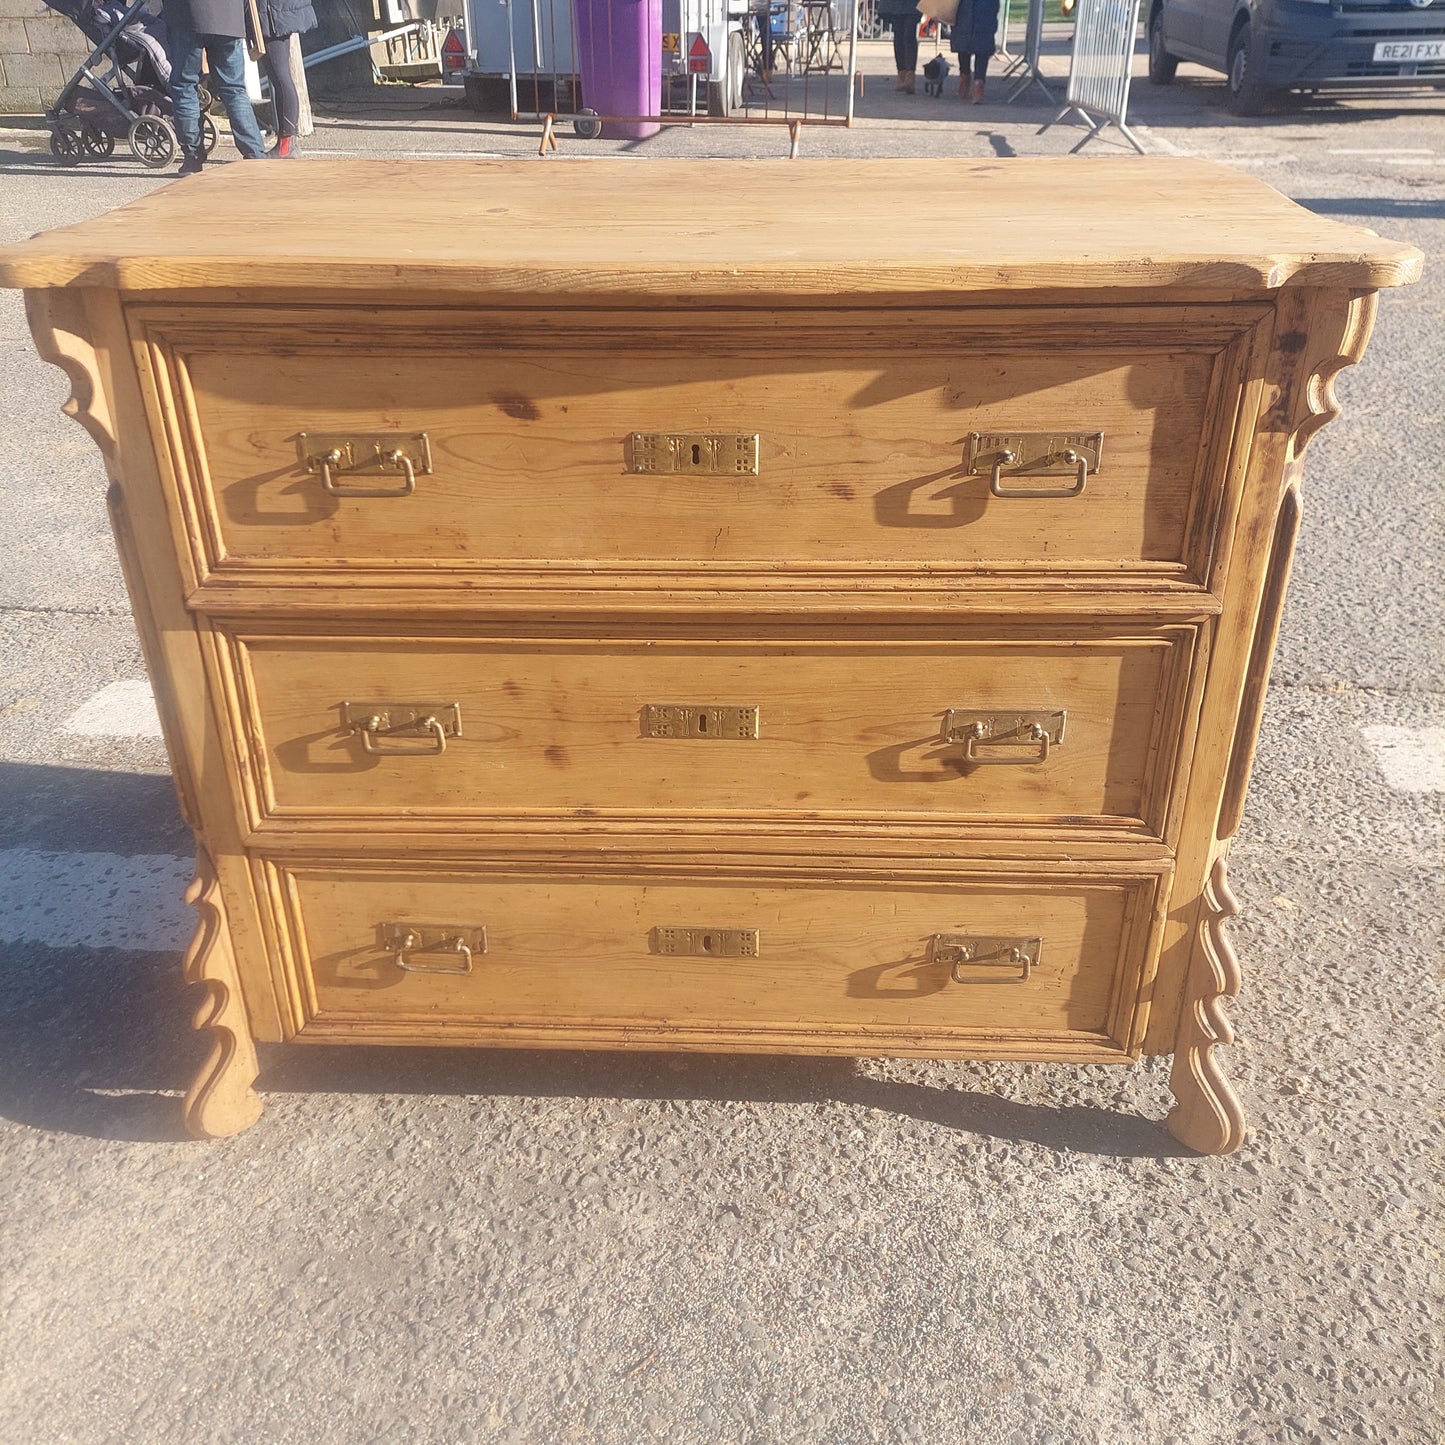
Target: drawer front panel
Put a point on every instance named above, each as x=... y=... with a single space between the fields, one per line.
x=549 y=446
x=703 y=729
x=578 y=954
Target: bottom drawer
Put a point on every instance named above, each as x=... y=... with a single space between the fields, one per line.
x=1047 y=965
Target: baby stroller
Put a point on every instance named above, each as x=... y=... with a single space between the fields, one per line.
x=122 y=91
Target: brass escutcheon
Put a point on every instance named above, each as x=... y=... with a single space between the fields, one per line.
x=712 y=722
x=706 y=942
x=725 y=453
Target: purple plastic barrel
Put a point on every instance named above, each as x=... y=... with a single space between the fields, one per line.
x=619 y=61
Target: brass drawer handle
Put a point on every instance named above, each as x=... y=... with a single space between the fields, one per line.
x=1028 y=736
x=409 y=942
x=1034 y=454
x=429 y=722
x=335 y=455
x=961 y=950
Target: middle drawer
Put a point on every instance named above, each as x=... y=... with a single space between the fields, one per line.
x=423 y=732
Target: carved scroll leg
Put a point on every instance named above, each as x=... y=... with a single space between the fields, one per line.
x=1207 y=1114
x=221 y=1100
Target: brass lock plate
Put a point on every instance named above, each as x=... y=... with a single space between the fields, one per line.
x=961 y=726
x=365 y=453
x=985 y=958
x=706 y=942
x=711 y=453
x=396 y=727
x=1033 y=454
x=710 y=721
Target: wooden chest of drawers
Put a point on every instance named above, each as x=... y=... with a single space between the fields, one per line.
x=710 y=605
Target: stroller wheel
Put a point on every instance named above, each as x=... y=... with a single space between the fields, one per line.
x=96 y=142
x=65 y=145
x=152 y=141
x=208 y=136
x=205 y=98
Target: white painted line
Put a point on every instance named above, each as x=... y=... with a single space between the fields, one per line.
x=95 y=900
x=1412 y=759
x=1262 y=160
x=1415 y=161
x=124 y=709
x=1387 y=151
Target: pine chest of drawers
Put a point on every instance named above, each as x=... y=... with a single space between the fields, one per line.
x=819 y=607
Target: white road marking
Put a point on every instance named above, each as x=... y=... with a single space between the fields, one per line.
x=124 y=709
x=95 y=900
x=1386 y=151
x=1412 y=759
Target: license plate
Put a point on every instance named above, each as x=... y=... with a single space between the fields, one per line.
x=1396 y=52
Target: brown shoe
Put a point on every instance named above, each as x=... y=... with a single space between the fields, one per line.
x=963 y=86
x=905 y=81
x=976 y=94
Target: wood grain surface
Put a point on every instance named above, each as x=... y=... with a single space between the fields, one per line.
x=862 y=431
x=575 y=951
x=551 y=727
x=774 y=229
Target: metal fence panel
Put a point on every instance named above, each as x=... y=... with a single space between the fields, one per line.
x=1100 y=67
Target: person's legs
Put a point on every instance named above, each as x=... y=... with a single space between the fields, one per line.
x=283 y=88
x=228 y=74
x=905 y=48
x=980 y=65
x=184 y=49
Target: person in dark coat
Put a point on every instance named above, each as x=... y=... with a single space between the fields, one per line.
x=216 y=30
x=281 y=19
x=902 y=17
x=973 y=31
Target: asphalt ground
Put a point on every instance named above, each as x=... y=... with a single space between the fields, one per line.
x=528 y=1247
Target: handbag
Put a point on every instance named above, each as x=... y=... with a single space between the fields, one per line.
x=941 y=10
x=256 y=37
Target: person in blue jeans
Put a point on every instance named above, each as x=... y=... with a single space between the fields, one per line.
x=215 y=29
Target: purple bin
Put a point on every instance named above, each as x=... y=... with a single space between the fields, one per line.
x=619 y=61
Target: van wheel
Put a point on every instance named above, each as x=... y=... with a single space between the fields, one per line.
x=1246 y=95
x=1162 y=65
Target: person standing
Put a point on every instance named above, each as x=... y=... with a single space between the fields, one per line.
x=972 y=38
x=902 y=17
x=280 y=20
x=213 y=29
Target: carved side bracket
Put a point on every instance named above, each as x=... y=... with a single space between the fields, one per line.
x=221 y=1101
x=1207 y=1115
x=1330 y=355
x=62 y=337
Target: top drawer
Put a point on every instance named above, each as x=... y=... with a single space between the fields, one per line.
x=531 y=467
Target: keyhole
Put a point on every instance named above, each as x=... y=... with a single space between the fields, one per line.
x=696 y=455
x=702 y=723
x=707 y=943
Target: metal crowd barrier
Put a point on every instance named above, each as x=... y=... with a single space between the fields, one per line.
x=1100 y=67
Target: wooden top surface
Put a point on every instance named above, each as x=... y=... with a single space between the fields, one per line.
x=612 y=226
